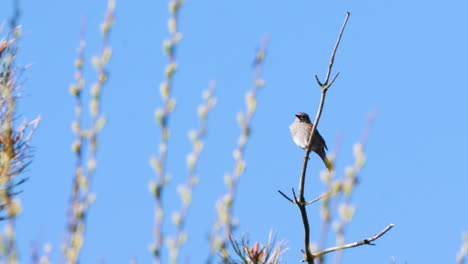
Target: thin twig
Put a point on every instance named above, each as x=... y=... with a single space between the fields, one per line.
x=333 y=80
x=332 y=57
x=294 y=194
x=319 y=198
x=285 y=196
x=366 y=241
x=308 y=257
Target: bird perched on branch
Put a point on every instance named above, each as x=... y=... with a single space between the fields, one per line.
x=300 y=132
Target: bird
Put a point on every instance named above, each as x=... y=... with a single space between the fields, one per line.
x=300 y=132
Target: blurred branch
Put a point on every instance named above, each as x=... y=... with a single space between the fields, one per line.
x=461 y=256
x=185 y=191
x=162 y=116
x=79 y=179
x=301 y=203
x=366 y=241
x=43 y=258
x=347 y=185
x=81 y=197
x=224 y=205
x=16 y=14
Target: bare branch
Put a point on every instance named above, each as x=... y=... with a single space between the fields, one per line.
x=332 y=57
x=366 y=241
x=319 y=198
x=333 y=80
x=318 y=80
x=294 y=194
x=285 y=196
x=308 y=257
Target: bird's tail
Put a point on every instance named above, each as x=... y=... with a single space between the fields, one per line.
x=326 y=161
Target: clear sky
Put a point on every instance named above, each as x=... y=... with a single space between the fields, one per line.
x=407 y=60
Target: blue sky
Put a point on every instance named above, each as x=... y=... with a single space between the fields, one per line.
x=407 y=60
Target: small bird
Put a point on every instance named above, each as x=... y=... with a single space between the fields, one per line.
x=300 y=132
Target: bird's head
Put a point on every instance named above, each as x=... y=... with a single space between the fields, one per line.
x=303 y=117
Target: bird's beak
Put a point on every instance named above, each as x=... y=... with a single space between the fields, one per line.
x=297 y=115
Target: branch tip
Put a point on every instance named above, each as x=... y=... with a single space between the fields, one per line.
x=333 y=80
x=285 y=196
x=366 y=241
x=294 y=194
x=318 y=81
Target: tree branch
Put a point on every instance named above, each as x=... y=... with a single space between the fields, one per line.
x=308 y=257
x=366 y=241
x=319 y=198
x=285 y=196
x=332 y=57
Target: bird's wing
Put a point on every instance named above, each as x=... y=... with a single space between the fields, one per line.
x=321 y=140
